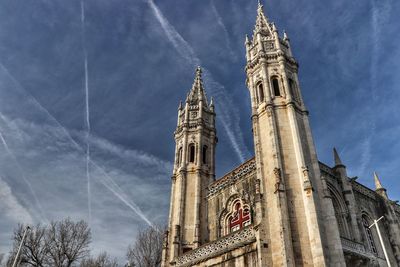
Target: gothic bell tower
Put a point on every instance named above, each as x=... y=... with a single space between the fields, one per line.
x=297 y=221
x=194 y=170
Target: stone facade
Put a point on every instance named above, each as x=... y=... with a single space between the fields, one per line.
x=283 y=207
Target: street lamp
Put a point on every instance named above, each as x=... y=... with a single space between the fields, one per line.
x=20 y=246
x=381 y=240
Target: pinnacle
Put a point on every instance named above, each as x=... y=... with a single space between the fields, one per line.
x=378 y=184
x=260 y=6
x=197 y=92
x=262 y=24
x=338 y=161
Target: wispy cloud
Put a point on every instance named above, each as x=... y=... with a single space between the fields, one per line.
x=107 y=180
x=225 y=31
x=11 y=207
x=42 y=216
x=225 y=107
x=379 y=14
x=87 y=108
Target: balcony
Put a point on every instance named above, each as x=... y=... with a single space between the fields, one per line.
x=355 y=248
x=227 y=243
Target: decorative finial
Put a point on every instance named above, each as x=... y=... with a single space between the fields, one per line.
x=274 y=27
x=212 y=102
x=259 y=4
x=247 y=41
x=180 y=105
x=285 y=36
x=198 y=71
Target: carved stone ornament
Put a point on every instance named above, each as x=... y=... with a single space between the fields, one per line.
x=278 y=180
x=258 y=186
x=307 y=182
x=218 y=247
x=243 y=171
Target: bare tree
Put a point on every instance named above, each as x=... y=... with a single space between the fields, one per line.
x=61 y=244
x=34 y=250
x=102 y=260
x=68 y=242
x=147 y=249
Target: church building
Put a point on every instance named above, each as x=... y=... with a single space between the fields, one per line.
x=282 y=207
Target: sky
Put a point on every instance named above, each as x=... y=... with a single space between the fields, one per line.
x=106 y=77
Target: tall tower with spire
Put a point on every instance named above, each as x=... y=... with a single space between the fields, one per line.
x=282 y=207
x=194 y=170
x=298 y=221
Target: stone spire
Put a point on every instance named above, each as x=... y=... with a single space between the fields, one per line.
x=378 y=186
x=262 y=24
x=197 y=93
x=338 y=161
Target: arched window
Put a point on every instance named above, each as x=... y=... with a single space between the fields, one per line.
x=368 y=233
x=239 y=217
x=292 y=88
x=275 y=86
x=191 y=153
x=260 y=90
x=340 y=215
x=205 y=148
x=179 y=156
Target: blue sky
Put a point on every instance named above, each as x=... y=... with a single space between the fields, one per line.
x=141 y=57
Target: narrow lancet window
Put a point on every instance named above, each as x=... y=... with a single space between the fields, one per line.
x=191 y=153
x=205 y=148
x=275 y=86
x=179 y=156
x=293 y=89
x=368 y=233
x=260 y=92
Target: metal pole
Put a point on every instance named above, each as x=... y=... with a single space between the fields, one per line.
x=381 y=240
x=20 y=246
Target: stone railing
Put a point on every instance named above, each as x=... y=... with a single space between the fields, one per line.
x=218 y=247
x=230 y=178
x=354 y=247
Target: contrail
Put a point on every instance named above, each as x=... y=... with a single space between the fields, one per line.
x=115 y=189
x=229 y=114
x=379 y=13
x=12 y=155
x=87 y=110
x=222 y=25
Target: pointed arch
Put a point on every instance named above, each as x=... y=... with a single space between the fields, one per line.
x=179 y=160
x=192 y=153
x=235 y=216
x=260 y=92
x=341 y=213
x=369 y=233
x=275 y=86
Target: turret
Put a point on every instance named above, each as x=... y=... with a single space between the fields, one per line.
x=194 y=170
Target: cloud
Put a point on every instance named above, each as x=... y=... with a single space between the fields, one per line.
x=56 y=170
x=10 y=207
x=22 y=174
x=225 y=31
x=225 y=107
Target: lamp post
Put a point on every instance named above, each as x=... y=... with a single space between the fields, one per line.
x=20 y=246
x=381 y=240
